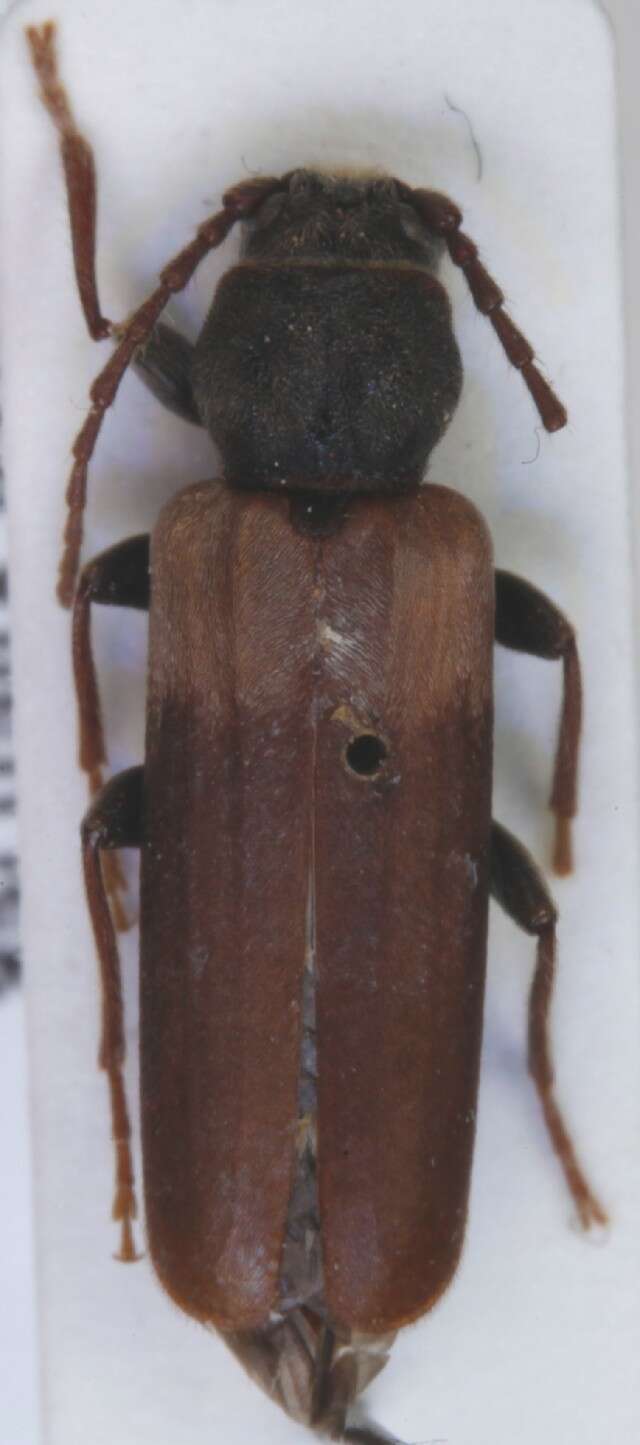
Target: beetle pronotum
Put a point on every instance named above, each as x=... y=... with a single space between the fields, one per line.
x=319 y=744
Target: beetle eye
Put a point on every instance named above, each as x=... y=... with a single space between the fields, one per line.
x=300 y=184
x=411 y=224
x=384 y=189
x=271 y=208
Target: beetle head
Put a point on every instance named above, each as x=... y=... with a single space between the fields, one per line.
x=359 y=218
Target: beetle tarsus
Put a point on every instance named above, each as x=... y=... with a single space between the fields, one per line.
x=520 y=889
x=124 y=1203
x=127 y=1253
x=590 y=1210
x=125 y=1209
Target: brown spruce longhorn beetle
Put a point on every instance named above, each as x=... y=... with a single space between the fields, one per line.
x=314 y=809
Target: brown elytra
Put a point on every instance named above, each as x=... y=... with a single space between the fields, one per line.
x=270 y=651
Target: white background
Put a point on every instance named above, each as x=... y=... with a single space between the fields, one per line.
x=537 y=1337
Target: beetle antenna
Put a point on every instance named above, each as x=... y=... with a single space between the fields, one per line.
x=79 y=168
x=442 y=216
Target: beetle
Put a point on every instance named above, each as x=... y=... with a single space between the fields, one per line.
x=314 y=810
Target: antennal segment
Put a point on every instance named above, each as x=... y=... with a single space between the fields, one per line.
x=442 y=216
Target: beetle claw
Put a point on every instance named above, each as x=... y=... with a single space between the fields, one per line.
x=590 y=1210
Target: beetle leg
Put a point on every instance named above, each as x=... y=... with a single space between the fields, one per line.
x=528 y=621
x=118 y=577
x=79 y=170
x=114 y=820
x=163 y=363
x=519 y=888
x=79 y=173
x=163 y=360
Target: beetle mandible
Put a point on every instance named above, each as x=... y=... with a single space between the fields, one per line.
x=314 y=810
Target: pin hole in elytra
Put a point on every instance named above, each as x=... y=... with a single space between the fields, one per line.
x=365 y=755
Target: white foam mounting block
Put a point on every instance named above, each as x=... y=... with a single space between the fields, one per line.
x=511 y=110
